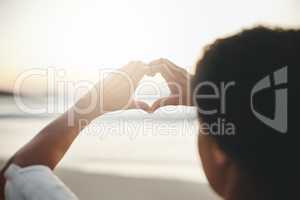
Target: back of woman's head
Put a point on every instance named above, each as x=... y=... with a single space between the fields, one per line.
x=247 y=80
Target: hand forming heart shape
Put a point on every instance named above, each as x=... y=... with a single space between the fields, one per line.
x=177 y=79
x=116 y=90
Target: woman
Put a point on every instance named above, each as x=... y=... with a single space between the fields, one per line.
x=242 y=162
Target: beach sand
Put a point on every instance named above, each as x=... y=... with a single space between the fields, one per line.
x=92 y=186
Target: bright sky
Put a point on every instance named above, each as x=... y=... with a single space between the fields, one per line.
x=85 y=35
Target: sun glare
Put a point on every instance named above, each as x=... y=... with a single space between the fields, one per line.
x=84 y=36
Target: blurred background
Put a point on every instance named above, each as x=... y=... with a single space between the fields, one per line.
x=73 y=41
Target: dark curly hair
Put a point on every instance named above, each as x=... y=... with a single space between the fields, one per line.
x=245 y=58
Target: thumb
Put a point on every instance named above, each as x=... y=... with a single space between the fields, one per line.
x=165 y=101
x=139 y=105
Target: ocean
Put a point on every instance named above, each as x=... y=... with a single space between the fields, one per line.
x=130 y=143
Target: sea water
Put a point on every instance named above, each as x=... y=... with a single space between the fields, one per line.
x=130 y=143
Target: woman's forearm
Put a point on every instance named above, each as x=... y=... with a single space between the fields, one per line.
x=51 y=143
x=49 y=146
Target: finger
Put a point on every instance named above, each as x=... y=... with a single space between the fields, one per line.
x=160 y=66
x=171 y=67
x=170 y=71
x=176 y=88
x=139 y=105
x=136 y=70
x=165 y=101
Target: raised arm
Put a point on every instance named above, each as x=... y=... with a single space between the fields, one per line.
x=51 y=143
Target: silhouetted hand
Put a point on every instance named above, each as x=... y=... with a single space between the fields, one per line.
x=178 y=80
x=115 y=91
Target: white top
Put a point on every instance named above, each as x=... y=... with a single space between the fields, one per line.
x=35 y=183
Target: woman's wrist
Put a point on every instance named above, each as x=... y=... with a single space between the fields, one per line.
x=83 y=112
